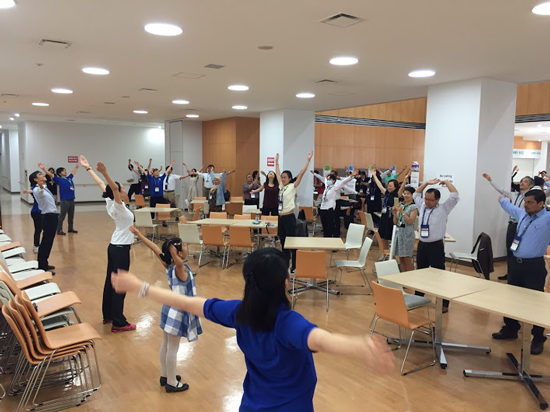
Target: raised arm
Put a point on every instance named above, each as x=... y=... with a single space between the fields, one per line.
x=378 y=183
x=304 y=169
x=402 y=186
x=73 y=172
x=149 y=165
x=259 y=189
x=449 y=185
x=116 y=193
x=277 y=169
x=126 y=282
x=153 y=246
x=496 y=187
x=46 y=171
x=86 y=166
x=171 y=166
x=426 y=184
x=140 y=168
x=181 y=273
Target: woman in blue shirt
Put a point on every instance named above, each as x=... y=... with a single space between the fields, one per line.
x=278 y=343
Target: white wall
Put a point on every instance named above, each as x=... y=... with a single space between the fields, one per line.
x=542 y=162
x=9 y=160
x=5 y=159
x=52 y=142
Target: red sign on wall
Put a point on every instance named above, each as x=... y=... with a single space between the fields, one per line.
x=271 y=162
x=72 y=159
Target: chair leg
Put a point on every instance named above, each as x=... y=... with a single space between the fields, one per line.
x=373 y=324
x=407 y=353
x=327 y=293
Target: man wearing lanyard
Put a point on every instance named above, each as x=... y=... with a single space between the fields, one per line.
x=433 y=225
x=46 y=203
x=517 y=198
x=66 y=196
x=156 y=185
x=208 y=178
x=526 y=267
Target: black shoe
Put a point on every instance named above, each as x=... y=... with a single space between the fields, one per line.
x=445 y=309
x=50 y=267
x=172 y=389
x=505 y=333
x=505 y=277
x=61 y=233
x=73 y=231
x=537 y=347
x=164 y=224
x=163 y=379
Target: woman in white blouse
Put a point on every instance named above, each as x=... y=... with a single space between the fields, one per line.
x=327 y=209
x=118 y=252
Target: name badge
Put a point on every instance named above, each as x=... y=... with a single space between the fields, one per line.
x=424 y=231
x=280 y=206
x=210 y=196
x=157 y=189
x=146 y=186
x=72 y=188
x=515 y=243
x=252 y=195
x=384 y=210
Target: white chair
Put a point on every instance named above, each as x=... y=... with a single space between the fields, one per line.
x=18 y=265
x=190 y=235
x=354 y=239
x=370 y=223
x=248 y=208
x=144 y=220
x=472 y=257
x=358 y=264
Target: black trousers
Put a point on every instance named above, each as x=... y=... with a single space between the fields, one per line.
x=153 y=200
x=67 y=208
x=431 y=254
x=270 y=211
x=135 y=189
x=510 y=233
x=530 y=274
x=118 y=257
x=37 y=219
x=49 y=228
x=252 y=202
x=287 y=227
x=329 y=218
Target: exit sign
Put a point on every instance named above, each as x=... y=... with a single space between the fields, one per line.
x=72 y=159
x=271 y=162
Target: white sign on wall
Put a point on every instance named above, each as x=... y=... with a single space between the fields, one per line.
x=448 y=177
x=526 y=154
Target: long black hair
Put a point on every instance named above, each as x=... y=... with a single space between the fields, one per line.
x=166 y=256
x=289 y=174
x=108 y=193
x=265 y=272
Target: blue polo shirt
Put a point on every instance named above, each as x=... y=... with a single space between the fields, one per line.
x=156 y=185
x=66 y=187
x=280 y=370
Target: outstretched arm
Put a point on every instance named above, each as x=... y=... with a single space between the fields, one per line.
x=73 y=172
x=277 y=169
x=171 y=166
x=86 y=165
x=181 y=273
x=140 y=168
x=304 y=169
x=116 y=193
x=153 y=246
x=46 y=171
x=449 y=185
x=378 y=183
x=426 y=184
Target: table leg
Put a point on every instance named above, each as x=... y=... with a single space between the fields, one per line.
x=322 y=286
x=521 y=369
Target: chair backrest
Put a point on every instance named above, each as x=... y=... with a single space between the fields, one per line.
x=4 y=265
x=22 y=318
x=164 y=216
x=218 y=215
x=389 y=304
x=270 y=218
x=183 y=219
x=18 y=334
x=363 y=219
x=212 y=235
x=140 y=200
x=234 y=208
x=311 y=264
x=196 y=214
x=308 y=211
x=370 y=222
x=9 y=282
x=242 y=217
x=354 y=238
x=388 y=267
x=364 y=251
x=236 y=199
x=379 y=240
x=199 y=206
x=248 y=208
x=143 y=220
x=199 y=198
x=240 y=236
x=189 y=234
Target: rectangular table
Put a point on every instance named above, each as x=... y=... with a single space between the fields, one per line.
x=443 y=285
x=157 y=209
x=213 y=222
x=253 y=224
x=526 y=306
x=251 y=211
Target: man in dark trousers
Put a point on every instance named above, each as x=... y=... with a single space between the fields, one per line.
x=526 y=266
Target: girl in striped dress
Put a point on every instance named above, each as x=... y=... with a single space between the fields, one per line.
x=175 y=323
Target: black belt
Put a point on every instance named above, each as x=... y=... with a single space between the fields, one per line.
x=512 y=222
x=168 y=190
x=51 y=214
x=525 y=260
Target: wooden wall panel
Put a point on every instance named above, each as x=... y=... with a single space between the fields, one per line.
x=533 y=98
x=519 y=143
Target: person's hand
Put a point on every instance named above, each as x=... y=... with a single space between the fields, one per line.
x=41 y=166
x=515 y=169
x=378 y=355
x=172 y=162
x=408 y=172
x=486 y=176
x=395 y=209
x=404 y=168
x=310 y=155
x=277 y=158
x=136 y=163
x=125 y=282
x=263 y=173
x=432 y=181
x=84 y=161
x=134 y=230
x=173 y=251
x=444 y=182
x=150 y=160
x=101 y=168
x=355 y=173
x=129 y=161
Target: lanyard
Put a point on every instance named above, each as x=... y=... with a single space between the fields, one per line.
x=401 y=216
x=328 y=189
x=430 y=215
x=526 y=227
x=166 y=182
x=282 y=192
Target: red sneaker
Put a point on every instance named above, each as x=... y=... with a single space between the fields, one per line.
x=126 y=328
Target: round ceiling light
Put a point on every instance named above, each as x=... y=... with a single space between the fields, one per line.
x=305 y=95
x=6 y=4
x=141 y=111
x=163 y=29
x=16 y=114
x=40 y=104
x=62 y=91
x=12 y=119
x=180 y=101
x=239 y=107
x=238 y=87
x=95 y=70
x=542 y=9
x=192 y=116
x=344 y=61
x=422 y=73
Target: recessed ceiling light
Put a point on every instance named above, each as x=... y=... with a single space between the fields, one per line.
x=540 y=140
x=95 y=70
x=163 y=29
x=12 y=119
x=305 y=95
x=62 y=91
x=542 y=9
x=40 y=104
x=0 y=126
x=539 y=125
x=239 y=107
x=180 y=101
x=344 y=60
x=6 y=4
x=238 y=87
x=16 y=114
x=192 y=116
x=141 y=111
x=422 y=73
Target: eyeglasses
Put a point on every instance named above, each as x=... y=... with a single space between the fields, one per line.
x=429 y=200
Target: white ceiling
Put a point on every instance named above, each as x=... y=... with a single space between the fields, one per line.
x=463 y=39
x=533 y=131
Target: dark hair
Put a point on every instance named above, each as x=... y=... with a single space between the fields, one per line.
x=211 y=166
x=108 y=193
x=289 y=174
x=538 y=180
x=153 y=171
x=409 y=189
x=530 y=180
x=254 y=174
x=537 y=194
x=166 y=256
x=317 y=171
x=51 y=169
x=395 y=183
x=33 y=176
x=275 y=181
x=59 y=170
x=436 y=192
x=130 y=166
x=265 y=272
x=332 y=176
x=194 y=170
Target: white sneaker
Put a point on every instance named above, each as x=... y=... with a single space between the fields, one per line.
x=35 y=249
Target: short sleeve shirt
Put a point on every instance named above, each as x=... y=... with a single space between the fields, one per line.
x=123 y=218
x=66 y=187
x=156 y=185
x=288 y=195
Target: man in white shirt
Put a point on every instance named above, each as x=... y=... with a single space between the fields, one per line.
x=170 y=186
x=208 y=178
x=349 y=187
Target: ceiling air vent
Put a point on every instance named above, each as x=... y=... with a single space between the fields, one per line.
x=326 y=81
x=184 y=75
x=108 y=102
x=342 y=20
x=214 y=66
x=9 y=95
x=83 y=112
x=54 y=44
x=145 y=89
